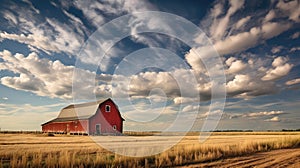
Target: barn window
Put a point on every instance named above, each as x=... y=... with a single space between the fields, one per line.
x=107 y=108
x=114 y=127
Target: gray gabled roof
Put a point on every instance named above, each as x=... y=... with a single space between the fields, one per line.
x=78 y=111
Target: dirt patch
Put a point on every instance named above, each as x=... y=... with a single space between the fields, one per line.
x=276 y=158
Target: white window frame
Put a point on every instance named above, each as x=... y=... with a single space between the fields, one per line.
x=106 y=108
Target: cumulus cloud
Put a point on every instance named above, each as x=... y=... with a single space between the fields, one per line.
x=290 y=9
x=246 y=78
x=54 y=79
x=246 y=86
x=280 y=69
x=238 y=42
x=40 y=76
x=236 y=66
x=273 y=29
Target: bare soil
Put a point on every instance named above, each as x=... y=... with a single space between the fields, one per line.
x=276 y=158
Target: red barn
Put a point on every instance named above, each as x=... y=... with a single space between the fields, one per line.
x=94 y=118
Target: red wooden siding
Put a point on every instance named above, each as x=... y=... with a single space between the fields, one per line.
x=106 y=120
x=77 y=126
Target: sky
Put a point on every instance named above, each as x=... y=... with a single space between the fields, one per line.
x=54 y=53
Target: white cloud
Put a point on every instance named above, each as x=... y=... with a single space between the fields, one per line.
x=238 y=83
x=295 y=35
x=217 y=10
x=38 y=41
x=246 y=86
x=40 y=76
x=210 y=115
x=236 y=66
x=13 y=20
x=217 y=31
x=183 y=100
x=264 y=113
x=274 y=119
x=242 y=22
x=57 y=37
x=246 y=78
x=290 y=9
x=280 y=69
x=194 y=60
x=91 y=9
x=54 y=79
x=293 y=82
x=245 y=40
x=273 y=29
x=190 y=108
x=229 y=38
x=294 y=49
x=230 y=60
x=238 y=42
x=32 y=6
x=47 y=34
x=279 y=61
x=4 y=98
x=276 y=49
x=271 y=15
x=258 y=115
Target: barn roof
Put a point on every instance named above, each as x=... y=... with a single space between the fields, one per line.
x=83 y=110
x=78 y=111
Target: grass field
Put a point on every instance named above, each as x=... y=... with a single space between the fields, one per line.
x=38 y=150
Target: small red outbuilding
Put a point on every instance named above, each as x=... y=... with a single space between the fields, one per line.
x=94 y=118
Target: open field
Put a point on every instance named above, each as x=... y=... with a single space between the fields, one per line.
x=34 y=150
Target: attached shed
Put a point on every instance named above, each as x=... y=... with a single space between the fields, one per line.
x=94 y=118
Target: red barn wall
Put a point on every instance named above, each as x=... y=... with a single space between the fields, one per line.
x=106 y=119
x=77 y=126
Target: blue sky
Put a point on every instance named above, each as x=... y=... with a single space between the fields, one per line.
x=41 y=44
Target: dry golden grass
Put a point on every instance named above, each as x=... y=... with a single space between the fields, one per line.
x=80 y=151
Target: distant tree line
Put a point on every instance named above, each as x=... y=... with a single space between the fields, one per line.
x=289 y=130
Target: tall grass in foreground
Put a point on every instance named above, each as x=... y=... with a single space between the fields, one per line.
x=178 y=155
